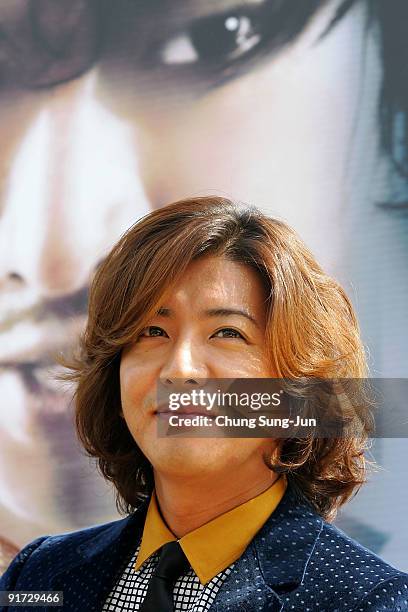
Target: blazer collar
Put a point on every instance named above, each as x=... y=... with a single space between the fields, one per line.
x=280 y=552
x=283 y=545
x=126 y=530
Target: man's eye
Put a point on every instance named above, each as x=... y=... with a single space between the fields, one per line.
x=228 y=332
x=152 y=332
x=213 y=39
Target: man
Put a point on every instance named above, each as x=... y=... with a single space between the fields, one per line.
x=100 y=114
x=199 y=291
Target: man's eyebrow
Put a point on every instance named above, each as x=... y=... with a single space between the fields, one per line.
x=214 y=312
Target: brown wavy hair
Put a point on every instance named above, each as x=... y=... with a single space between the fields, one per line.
x=311 y=331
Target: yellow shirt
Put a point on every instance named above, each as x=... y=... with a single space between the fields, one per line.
x=215 y=545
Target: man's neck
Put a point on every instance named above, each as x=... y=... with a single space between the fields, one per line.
x=186 y=504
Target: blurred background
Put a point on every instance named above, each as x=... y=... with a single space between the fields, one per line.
x=111 y=109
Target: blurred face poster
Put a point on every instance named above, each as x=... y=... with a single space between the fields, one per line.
x=111 y=109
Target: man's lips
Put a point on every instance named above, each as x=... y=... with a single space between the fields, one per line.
x=190 y=410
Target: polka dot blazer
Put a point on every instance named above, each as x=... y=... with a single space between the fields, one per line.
x=296 y=562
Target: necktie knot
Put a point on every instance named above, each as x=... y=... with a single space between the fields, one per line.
x=172 y=562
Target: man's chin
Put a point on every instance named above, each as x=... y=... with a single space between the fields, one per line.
x=184 y=457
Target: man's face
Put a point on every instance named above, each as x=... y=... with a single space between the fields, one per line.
x=155 y=121
x=192 y=339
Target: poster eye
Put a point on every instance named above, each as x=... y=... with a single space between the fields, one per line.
x=214 y=39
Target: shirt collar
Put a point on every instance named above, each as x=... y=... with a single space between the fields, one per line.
x=216 y=544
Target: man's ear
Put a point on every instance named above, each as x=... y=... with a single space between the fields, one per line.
x=276 y=451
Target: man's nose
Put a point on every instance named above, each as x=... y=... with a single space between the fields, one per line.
x=185 y=365
x=72 y=191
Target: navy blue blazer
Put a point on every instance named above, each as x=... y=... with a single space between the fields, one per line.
x=296 y=562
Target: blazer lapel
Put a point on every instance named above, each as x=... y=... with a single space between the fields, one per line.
x=275 y=562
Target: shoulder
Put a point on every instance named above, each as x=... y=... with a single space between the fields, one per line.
x=311 y=564
x=47 y=555
x=348 y=576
